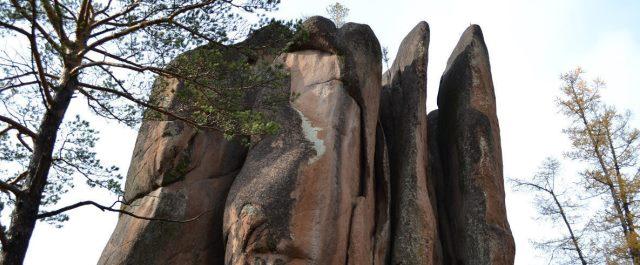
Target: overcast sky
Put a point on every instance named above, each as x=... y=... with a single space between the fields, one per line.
x=530 y=43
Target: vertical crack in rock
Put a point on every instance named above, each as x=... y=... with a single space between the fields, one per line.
x=437 y=190
x=383 y=215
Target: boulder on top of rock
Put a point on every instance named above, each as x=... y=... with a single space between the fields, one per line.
x=317 y=33
x=469 y=138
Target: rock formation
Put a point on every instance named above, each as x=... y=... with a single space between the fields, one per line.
x=468 y=137
x=310 y=189
x=175 y=172
x=356 y=174
x=402 y=114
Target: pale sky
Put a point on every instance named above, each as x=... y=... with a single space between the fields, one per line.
x=530 y=43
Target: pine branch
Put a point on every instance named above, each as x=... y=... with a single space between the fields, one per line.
x=21 y=128
x=18 y=178
x=12 y=188
x=24 y=143
x=144 y=24
x=141 y=103
x=14 y=28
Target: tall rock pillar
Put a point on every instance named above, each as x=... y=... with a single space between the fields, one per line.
x=469 y=144
x=414 y=238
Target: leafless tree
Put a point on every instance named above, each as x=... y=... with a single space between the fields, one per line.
x=552 y=203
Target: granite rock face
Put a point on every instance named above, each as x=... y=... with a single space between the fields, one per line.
x=291 y=203
x=469 y=144
x=356 y=174
x=176 y=173
x=180 y=173
x=309 y=189
x=403 y=118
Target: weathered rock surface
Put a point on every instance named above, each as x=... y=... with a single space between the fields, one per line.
x=310 y=189
x=176 y=173
x=357 y=173
x=292 y=201
x=403 y=117
x=469 y=143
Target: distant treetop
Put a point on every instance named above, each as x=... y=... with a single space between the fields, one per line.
x=338 y=13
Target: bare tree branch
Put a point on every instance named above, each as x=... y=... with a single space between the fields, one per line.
x=14 y=28
x=145 y=24
x=91 y=98
x=17 y=76
x=125 y=11
x=5 y=130
x=16 y=125
x=23 y=142
x=37 y=25
x=37 y=57
x=111 y=209
x=193 y=32
x=143 y=103
x=18 y=178
x=55 y=19
x=5 y=88
x=106 y=7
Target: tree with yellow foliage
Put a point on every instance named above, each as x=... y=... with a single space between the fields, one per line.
x=604 y=140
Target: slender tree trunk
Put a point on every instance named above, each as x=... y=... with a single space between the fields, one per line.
x=24 y=215
x=632 y=237
x=574 y=240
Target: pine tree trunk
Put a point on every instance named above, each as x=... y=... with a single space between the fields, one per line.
x=24 y=215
